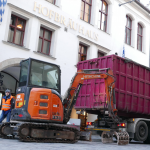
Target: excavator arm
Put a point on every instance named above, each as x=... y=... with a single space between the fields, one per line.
x=76 y=84
x=72 y=94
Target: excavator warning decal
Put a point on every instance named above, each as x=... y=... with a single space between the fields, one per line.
x=19 y=100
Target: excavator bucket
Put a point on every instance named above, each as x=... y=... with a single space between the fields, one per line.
x=122 y=137
x=107 y=137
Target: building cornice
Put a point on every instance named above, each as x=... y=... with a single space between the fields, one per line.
x=135 y=3
x=141 y=5
x=137 y=7
x=87 y=42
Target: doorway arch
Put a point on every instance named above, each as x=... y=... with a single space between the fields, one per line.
x=10 y=63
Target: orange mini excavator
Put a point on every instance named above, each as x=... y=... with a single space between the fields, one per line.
x=40 y=114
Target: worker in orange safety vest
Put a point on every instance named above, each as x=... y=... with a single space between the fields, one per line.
x=8 y=104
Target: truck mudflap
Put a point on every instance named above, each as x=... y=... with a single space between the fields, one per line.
x=122 y=137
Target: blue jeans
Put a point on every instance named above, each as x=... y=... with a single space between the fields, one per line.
x=4 y=115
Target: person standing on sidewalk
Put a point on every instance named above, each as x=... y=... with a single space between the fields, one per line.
x=8 y=103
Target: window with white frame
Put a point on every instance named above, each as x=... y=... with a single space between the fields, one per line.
x=85 y=13
x=100 y=54
x=102 y=15
x=128 y=30
x=16 y=30
x=44 y=41
x=139 y=37
x=82 y=54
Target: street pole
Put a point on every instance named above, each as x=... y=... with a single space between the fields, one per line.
x=126 y=3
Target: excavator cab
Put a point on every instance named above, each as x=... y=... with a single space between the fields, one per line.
x=38 y=92
x=35 y=73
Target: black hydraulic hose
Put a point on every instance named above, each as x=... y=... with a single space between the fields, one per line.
x=114 y=97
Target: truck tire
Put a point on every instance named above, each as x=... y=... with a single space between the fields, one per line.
x=141 y=131
x=147 y=141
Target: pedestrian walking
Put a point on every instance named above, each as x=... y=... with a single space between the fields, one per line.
x=8 y=103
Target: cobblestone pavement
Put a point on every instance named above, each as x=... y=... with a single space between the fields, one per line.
x=96 y=144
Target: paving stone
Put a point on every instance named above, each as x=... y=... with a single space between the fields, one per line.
x=96 y=144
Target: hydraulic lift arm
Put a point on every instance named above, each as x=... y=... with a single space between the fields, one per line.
x=77 y=82
x=72 y=94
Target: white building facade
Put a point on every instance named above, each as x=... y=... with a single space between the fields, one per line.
x=64 y=32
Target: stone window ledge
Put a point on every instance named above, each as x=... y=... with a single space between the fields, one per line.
x=49 y=56
x=17 y=46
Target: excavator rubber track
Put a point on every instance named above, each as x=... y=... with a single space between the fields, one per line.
x=46 y=133
x=6 y=130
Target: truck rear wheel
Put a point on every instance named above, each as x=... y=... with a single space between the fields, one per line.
x=147 y=141
x=141 y=131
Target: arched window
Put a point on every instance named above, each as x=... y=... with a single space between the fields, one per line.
x=139 y=37
x=128 y=29
x=102 y=15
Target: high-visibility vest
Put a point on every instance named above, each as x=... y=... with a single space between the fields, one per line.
x=6 y=105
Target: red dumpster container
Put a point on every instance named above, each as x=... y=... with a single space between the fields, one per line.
x=132 y=87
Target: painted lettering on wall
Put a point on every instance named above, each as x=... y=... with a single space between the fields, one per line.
x=61 y=19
